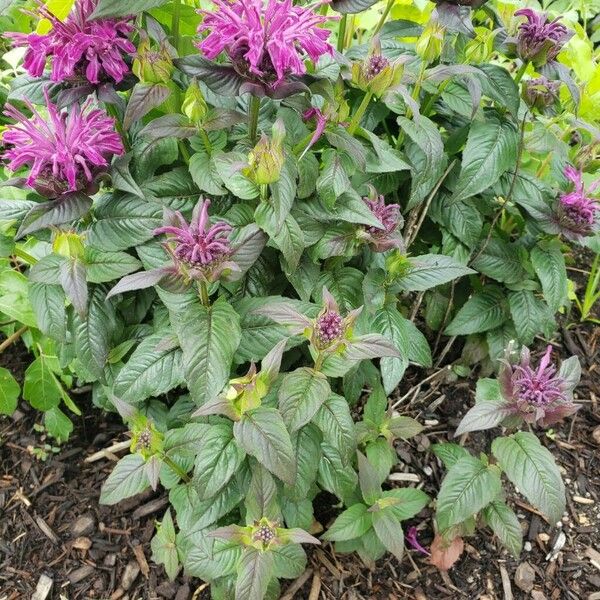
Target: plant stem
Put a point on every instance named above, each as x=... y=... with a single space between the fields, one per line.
x=184 y=152
x=521 y=72
x=175 y=467
x=204 y=294
x=253 y=110
x=175 y=24
x=264 y=192
x=358 y=115
x=384 y=16
x=25 y=256
x=342 y=33
x=319 y=361
x=12 y=339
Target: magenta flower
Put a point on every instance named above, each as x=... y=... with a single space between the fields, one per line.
x=413 y=541
x=542 y=395
x=80 y=48
x=265 y=40
x=388 y=237
x=321 y=123
x=539 y=41
x=329 y=327
x=66 y=151
x=576 y=212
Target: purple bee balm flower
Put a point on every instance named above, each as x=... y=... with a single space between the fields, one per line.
x=198 y=244
x=541 y=395
x=265 y=40
x=65 y=151
x=321 y=123
x=386 y=238
x=80 y=48
x=329 y=327
x=374 y=65
x=576 y=212
x=539 y=41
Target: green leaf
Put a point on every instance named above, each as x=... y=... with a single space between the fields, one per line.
x=335 y=421
x=262 y=434
x=205 y=175
x=352 y=523
x=467 y=488
x=504 y=523
x=48 y=303
x=368 y=479
x=102 y=267
x=351 y=6
x=218 y=459
x=289 y=561
x=184 y=441
x=209 y=338
x=390 y=323
x=404 y=427
x=532 y=468
x=345 y=285
x=210 y=559
x=253 y=574
x=338 y=476
x=57 y=424
x=261 y=498
x=333 y=180
x=426 y=154
x=549 y=264
x=485 y=310
x=430 y=270
x=152 y=370
x=127 y=479
x=301 y=394
x=484 y=415
x=40 y=388
x=144 y=97
x=389 y=531
x=9 y=392
x=229 y=167
x=499 y=85
x=382 y=457
x=408 y=502
x=306 y=443
x=502 y=261
x=116 y=8
x=530 y=315
x=14 y=300
x=490 y=151
x=164 y=547
x=449 y=453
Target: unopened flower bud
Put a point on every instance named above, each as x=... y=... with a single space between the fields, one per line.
x=398 y=265
x=194 y=105
x=152 y=65
x=68 y=244
x=541 y=94
x=376 y=73
x=429 y=45
x=267 y=157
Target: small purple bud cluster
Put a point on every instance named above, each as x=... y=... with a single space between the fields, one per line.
x=387 y=214
x=577 y=212
x=144 y=440
x=264 y=534
x=375 y=64
x=329 y=327
x=541 y=93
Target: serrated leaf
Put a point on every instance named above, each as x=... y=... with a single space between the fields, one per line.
x=150 y=371
x=306 y=443
x=352 y=523
x=408 y=502
x=504 y=523
x=102 y=267
x=116 y=8
x=549 y=265
x=164 y=546
x=431 y=270
x=490 y=151
x=301 y=394
x=468 y=486
x=530 y=315
x=144 y=97
x=389 y=531
x=127 y=479
x=209 y=337
x=210 y=559
x=72 y=278
x=484 y=415
x=253 y=574
x=532 y=468
x=502 y=261
x=48 y=303
x=40 y=387
x=9 y=392
x=262 y=434
x=333 y=180
x=335 y=421
x=485 y=310
x=351 y=6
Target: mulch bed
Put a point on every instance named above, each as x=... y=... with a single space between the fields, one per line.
x=56 y=538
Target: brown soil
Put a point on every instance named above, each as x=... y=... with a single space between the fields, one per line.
x=52 y=525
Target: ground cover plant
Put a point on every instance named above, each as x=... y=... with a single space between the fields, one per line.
x=239 y=224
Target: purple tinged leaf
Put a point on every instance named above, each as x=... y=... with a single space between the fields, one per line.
x=484 y=415
x=144 y=97
x=218 y=406
x=222 y=118
x=284 y=314
x=152 y=469
x=247 y=245
x=139 y=281
x=123 y=408
x=230 y=533
x=122 y=178
x=66 y=209
x=368 y=479
x=255 y=570
x=221 y=79
x=169 y=126
x=271 y=363
x=372 y=345
x=73 y=281
x=299 y=536
x=570 y=373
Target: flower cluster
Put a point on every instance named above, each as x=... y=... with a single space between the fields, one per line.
x=539 y=40
x=264 y=40
x=388 y=237
x=576 y=212
x=329 y=327
x=542 y=94
x=198 y=244
x=539 y=395
x=80 y=48
x=66 y=151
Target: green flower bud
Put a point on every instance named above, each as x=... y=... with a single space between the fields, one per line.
x=194 y=105
x=398 y=265
x=69 y=244
x=146 y=439
x=429 y=45
x=152 y=65
x=265 y=161
x=376 y=74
